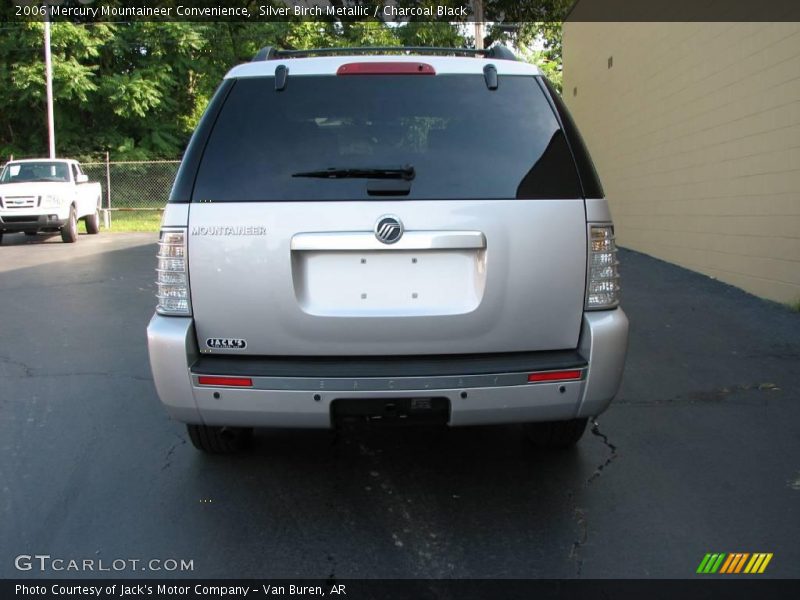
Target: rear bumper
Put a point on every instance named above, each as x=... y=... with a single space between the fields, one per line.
x=298 y=393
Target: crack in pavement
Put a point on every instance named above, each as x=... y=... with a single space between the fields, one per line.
x=575 y=551
x=46 y=286
x=30 y=373
x=96 y=374
x=611 y=458
x=171 y=451
x=580 y=514
x=26 y=369
x=711 y=396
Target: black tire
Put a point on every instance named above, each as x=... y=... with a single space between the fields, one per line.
x=1 y=238
x=219 y=440
x=555 y=434
x=92 y=223
x=69 y=232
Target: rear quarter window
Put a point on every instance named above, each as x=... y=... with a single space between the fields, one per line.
x=583 y=161
x=463 y=140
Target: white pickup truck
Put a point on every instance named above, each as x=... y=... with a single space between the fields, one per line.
x=48 y=195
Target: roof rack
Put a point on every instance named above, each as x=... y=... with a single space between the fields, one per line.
x=271 y=53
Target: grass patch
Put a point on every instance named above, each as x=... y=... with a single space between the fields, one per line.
x=135 y=220
x=795 y=306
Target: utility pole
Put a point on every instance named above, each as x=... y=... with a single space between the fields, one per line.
x=478 y=24
x=48 y=68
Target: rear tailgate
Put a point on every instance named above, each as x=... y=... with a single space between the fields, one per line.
x=522 y=291
x=493 y=253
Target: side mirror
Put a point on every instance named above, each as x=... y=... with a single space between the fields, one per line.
x=82 y=178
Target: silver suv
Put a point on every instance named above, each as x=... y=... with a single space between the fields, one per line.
x=387 y=235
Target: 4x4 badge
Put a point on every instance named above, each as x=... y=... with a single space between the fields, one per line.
x=388 y=229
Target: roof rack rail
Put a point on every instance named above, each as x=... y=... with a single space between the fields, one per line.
x=497 y=51
x=266 y=53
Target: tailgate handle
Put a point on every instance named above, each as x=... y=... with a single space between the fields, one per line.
x=411 y=240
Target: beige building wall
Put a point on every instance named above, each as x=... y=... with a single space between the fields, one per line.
x=695 y=132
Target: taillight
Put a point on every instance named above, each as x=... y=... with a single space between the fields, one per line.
x=172 y=278
x=602 y=289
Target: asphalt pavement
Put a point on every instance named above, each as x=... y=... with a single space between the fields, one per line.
x=700 y=452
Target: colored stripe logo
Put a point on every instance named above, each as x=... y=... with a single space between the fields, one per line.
x=734 y=563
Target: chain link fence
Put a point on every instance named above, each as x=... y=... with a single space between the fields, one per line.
x=134 y=192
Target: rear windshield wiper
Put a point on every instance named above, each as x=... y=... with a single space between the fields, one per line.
x=405 y=172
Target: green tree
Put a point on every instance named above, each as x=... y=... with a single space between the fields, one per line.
x=138 y=89
x=126 y=88
x=528 y=25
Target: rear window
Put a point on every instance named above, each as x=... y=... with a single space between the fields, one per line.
x=463 y=140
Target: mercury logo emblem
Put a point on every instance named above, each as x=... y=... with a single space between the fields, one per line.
x=388 y=229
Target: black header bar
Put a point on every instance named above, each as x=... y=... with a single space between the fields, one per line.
x=506 y=12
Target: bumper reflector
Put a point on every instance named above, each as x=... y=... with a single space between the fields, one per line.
x=225 y=381
x=571 y=375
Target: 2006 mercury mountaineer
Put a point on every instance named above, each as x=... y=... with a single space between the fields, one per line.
x=406 y=236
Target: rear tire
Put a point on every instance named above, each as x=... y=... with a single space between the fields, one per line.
x=219 y=440
x=555 y=434
x=92 y=223
x=69 y=232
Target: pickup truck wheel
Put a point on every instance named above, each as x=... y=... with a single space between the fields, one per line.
x=69 y=232
x=555 y=434
x=219 y=440
x=93 y=223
